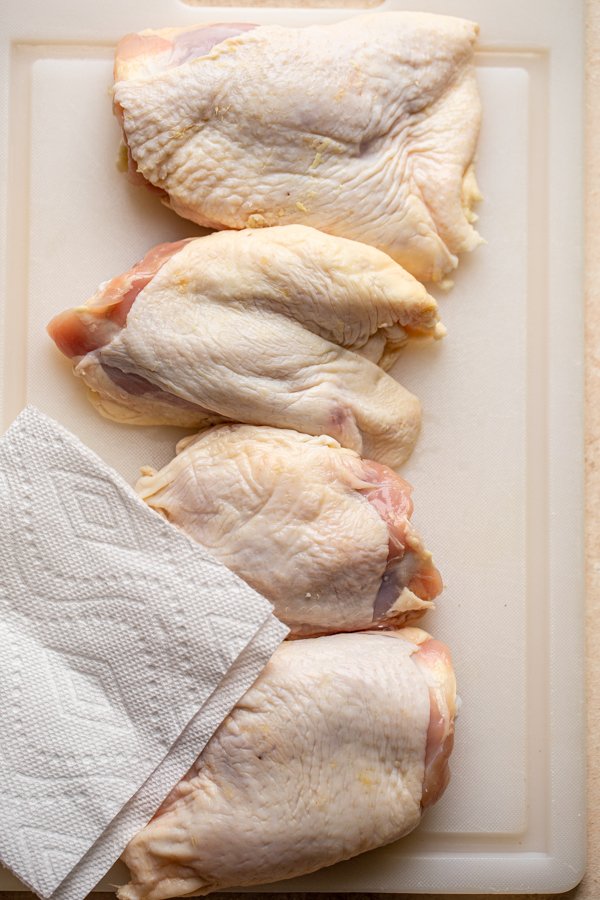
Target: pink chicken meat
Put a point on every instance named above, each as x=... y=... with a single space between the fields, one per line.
x=364 y=128
x=323 y=534
x=336 y=749
x=280 y=326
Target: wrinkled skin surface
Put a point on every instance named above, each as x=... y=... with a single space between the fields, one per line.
x=321 y=533
x=364 y=128
x=328 y=755
x=279 y=326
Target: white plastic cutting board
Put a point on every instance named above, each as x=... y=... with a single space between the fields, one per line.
x=498 y=468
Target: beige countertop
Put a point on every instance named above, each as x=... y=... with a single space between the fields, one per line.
x=589 y=888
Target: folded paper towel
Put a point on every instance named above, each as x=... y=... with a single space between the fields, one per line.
x=124 y=646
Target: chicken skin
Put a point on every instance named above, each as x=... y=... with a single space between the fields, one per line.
x=336 y=749
x=364 y=128
x=321 y=533
x=279 y=326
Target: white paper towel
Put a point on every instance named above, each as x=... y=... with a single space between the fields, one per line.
x=123 y=645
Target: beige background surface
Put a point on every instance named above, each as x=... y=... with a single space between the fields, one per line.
x=589 y=889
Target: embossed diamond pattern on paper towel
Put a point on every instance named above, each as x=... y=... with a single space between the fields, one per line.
x=94 y=511
x=53 y=852
x=87 y=688
x=108 y=654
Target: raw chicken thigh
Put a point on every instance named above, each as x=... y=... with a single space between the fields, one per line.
x=335 y=750
x=278 y=326
x=364 y=128
x=320 y=532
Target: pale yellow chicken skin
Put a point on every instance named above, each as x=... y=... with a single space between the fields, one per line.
x=321 y=533
x=335 y=750
x=365 y=128
x=280 y=326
